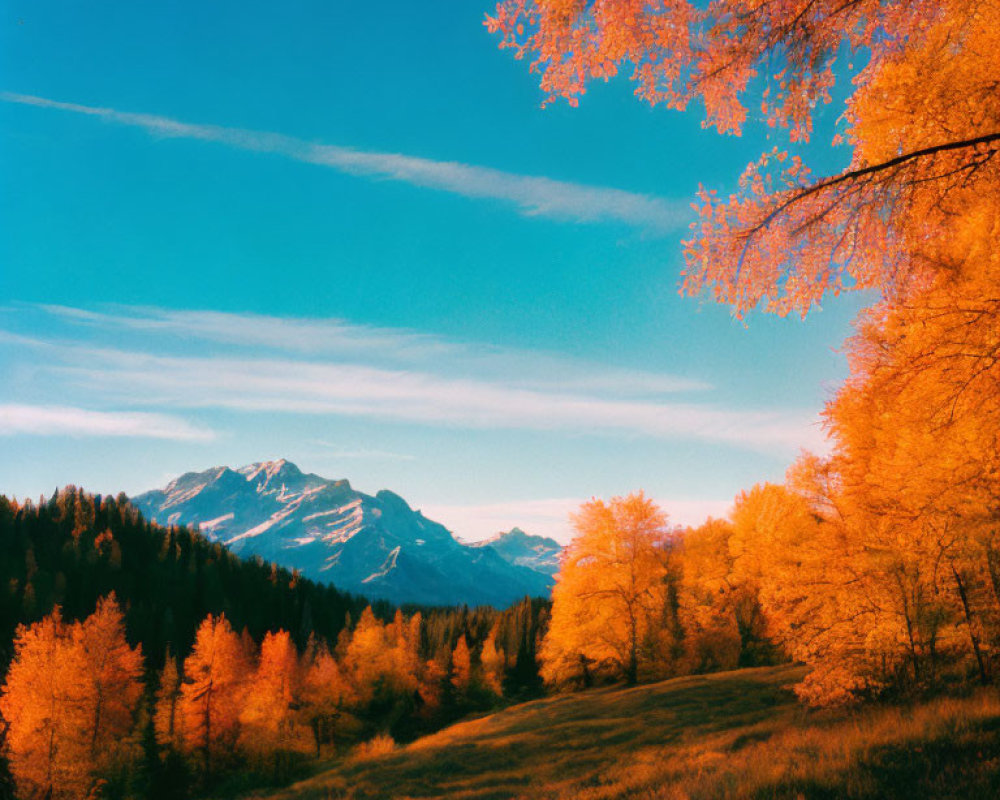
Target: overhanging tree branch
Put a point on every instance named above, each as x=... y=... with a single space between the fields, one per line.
x=872 y=169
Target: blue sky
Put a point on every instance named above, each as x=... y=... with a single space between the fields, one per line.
x=348 y=235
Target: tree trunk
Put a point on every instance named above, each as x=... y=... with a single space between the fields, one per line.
x=632 y=672
x=968 y=621
x=316 y=734
x=909 y=633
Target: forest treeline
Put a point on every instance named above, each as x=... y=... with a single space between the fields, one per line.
x=145 y=661
x=73 y=548
x=804 y=571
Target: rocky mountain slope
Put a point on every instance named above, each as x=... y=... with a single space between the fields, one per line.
x=535 y=552
x=372 y=545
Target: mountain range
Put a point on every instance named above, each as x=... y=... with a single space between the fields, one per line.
x=376 y=546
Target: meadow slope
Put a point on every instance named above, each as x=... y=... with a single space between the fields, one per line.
x=728 y=735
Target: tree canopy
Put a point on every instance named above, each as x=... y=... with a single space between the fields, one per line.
x=921 y=120
x=610 y=593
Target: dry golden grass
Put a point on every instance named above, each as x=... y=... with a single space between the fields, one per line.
x=731 y=735
x=376 y=747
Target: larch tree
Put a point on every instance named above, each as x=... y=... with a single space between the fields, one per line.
x=707 y=604
x=383 y=663
x=806 y=567
x=40 y=704
x=69 y=700
x=610 y=593
x=433 y=676
x=916 y=454
x=403 y=642
x=865 y=599
x=922 y=124
x=324 y=696
x=111 y=684
x=268 y=722
x=461 y=666
x=491 y=661
x=215 y=680
x=366 y=655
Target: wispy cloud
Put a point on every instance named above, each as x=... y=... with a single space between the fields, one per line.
x=271 y=385
x=438 y=394
x=67 y=421
x=364 y=344
x=532 y=195
x=550 y=516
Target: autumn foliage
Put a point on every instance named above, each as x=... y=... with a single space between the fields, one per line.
x=69 y=702
x=610 y=596
x=79 y=722
x=878 y=565
x=636 y=599
x=922 y=122
x=215 y=682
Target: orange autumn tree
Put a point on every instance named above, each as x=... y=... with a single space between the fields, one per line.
x=366 y=658
x=215 y=680
x=917 y=448
x=610 y=595
x=404 y=650
x=269 y=725
x=711 y=635
x=46 y=752
x=461 y=666
x=383 y=665
x=912 y=484
x=714 y=606
x=868 y=594
x=324 y=696
x=112 y=683
x=69 y=701
x=491 y=660
x=821 y=600
x=922 y=124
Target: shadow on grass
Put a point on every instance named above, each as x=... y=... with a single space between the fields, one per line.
x=734 y=735
x=962 y=766
x=562 y=742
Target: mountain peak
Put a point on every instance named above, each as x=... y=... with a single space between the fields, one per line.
x=525 y=549
x=393 y=499
x=270 y=470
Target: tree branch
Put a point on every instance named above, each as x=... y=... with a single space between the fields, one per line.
x=872 y=169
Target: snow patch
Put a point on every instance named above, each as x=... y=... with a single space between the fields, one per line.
x=209 y=524
x=319 y=514
x=388 y=566
x=176 y=498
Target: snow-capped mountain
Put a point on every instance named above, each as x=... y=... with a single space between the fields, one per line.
x=375 y=546
x=526 y=550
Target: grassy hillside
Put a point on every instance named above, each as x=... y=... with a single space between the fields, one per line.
x=730 y=735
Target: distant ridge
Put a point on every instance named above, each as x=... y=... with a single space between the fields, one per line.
x=539 y=553
x=375 y=546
